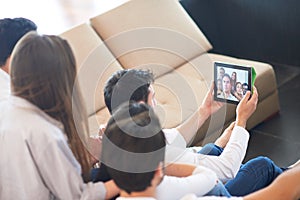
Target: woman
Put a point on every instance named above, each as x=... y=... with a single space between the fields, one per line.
x=233 y=80
x=43 y=126
x=238 y=91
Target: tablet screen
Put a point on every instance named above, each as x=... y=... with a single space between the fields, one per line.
x=231 y=82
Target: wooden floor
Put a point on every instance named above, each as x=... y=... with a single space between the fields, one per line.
x=56 y=16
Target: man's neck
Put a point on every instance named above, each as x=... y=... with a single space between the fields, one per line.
x=4 y=68
x=149 y=192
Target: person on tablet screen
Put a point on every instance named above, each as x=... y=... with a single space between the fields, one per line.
x=238 y=91
x=233 y=80
x=227 y=85
x=245 y=88
x=219 y=87
x=221 y=73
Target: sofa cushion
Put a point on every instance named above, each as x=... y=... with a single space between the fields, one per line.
x=179 y=94
x=265 y=84
x=95 y=64
x=159 y=35
x=154 y=34
x=182 y=91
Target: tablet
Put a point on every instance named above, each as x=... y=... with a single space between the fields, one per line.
x=232 y=82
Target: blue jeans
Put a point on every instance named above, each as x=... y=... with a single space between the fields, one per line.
x=255 y=174
x=219 y=190
x=211 y=149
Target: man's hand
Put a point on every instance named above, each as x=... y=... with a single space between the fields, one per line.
x=246 y=108
x=102 y=128
x=209 y=106
x=95 y=147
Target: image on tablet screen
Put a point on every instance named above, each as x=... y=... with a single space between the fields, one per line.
x=231 y=82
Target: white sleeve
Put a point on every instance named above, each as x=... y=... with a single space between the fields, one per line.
x=228 y=163
x=200 y=182
x=176 y=146
x=61 y=173
x=194 y=197
x=4 y=85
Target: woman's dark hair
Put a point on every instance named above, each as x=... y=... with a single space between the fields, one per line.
x=43 y=71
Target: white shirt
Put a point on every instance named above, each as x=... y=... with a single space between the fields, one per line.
x=225 y=166
x=200 y=183
x=135 y=198
x=4 y=84
x=194 y=197
x=186 y=197
x=36 y=161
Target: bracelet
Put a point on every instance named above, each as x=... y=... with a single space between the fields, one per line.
x=96 y=165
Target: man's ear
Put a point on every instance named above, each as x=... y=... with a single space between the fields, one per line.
x=158 y=175
x=6 y=66
x=159 y=170
x=149 y=100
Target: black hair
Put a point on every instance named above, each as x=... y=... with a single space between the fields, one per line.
x=11 y=30
x=245 y=84
x=126 y=86
x=133 y=146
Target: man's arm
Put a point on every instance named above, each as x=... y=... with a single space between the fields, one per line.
x=179 y=169
x=228 y=163
x=199 y=180
x=189 y=127
x=112 y=189
x=246 y=108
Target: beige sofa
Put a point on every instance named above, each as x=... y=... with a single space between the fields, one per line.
x=161 y=36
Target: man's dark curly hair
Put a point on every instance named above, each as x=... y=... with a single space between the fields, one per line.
x=126 y=86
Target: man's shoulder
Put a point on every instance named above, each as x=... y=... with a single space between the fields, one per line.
x=4 y=77
x=194 y=197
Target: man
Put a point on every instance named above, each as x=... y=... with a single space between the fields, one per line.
x=11 y=30
x=133 y=127
x=227 y=88
x=135 y=155
x=245 y=88
x=135 y=85
x=221 y=73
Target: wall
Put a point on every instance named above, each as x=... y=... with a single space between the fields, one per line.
x=261 y=30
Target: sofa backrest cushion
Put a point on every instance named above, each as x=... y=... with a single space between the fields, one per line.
x=153 y=34
x=95 y=64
